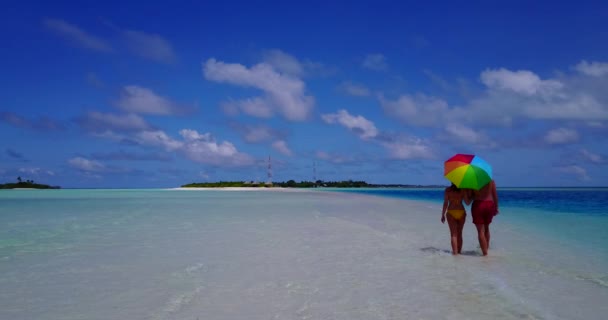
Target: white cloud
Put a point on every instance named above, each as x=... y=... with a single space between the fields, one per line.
x=147 y=45
x=509 y=98
x=281 y=146
x=284 y=93
x=438 y=80
x=522 y=82
x=122 y=155
x=138 y=99
x=578 y=106
x=256 y=134
x=284 y=62
x=464 y=134
x=504 y=108
x=193 y=135
x=204 y=149
x=101 y=122
x=150 y=46
x=375 y=61
x=561 y=136
x=231 y=107
x=592 y=157
x=596 y=69
x=32 y=171
x=354 y=89
x=408 y=148
x=84 y=164
x=399 y=147
x=364 y=128
x=418 y=110
x=515 y=96
x=198 y=147
x=77 y=36
x=288 y=64
x=578 y=171
x=158 y=138
x=257 y=107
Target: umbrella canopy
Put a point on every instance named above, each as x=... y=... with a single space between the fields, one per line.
x=467 y=171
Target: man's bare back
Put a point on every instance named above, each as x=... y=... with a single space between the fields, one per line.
x=486 y=193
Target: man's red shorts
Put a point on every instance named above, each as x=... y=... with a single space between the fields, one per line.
x=483 y=211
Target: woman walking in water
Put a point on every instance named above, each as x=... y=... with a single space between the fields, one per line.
x=484 y=208
x=452 y=204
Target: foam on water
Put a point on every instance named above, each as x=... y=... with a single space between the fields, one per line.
x=158 y=254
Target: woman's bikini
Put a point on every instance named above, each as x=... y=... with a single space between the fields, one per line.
x=457 y=214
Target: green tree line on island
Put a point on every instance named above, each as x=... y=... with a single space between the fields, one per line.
x=224 y=184
x=286 y=184
x=324 y=184
x=29 y=184
x=302 y=184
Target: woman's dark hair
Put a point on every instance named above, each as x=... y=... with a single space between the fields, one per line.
x=453 y=187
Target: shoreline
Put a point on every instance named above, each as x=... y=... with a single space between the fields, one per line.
x=277 y=189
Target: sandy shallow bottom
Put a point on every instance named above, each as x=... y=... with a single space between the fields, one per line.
x=276 y=255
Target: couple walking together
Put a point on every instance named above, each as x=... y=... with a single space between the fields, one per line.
x=484 y=208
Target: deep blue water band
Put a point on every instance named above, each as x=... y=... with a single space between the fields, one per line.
x=588 y=201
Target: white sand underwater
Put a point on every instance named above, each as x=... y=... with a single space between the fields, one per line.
x=273 y=255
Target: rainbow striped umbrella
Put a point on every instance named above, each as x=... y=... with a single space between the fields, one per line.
x=467 y=171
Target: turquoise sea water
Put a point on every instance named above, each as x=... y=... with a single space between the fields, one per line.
x=574 y=218
x=575 y=215
x=169 y=254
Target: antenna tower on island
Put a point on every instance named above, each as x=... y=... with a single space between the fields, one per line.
x=269 y=171
x=314 y=171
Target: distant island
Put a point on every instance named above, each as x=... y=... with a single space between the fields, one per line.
x=27 y=184
x=301 y=184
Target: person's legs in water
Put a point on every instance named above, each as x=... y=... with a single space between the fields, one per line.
x=481 y=235
x=453 y=223
x=483 y=212
x=460 y=227
x=487 y=231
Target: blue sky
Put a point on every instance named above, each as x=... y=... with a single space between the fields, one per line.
x=127 y=95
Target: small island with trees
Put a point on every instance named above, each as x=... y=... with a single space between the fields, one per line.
x=26 y=184
x=301 y=184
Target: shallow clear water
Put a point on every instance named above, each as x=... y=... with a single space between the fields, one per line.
x=575 y=217
x=168 y=254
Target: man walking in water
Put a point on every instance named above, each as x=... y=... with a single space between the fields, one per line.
x=484 y=208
